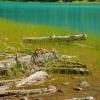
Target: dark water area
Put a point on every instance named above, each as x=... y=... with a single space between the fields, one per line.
x=78 y=17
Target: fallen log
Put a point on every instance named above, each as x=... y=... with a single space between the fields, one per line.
x=42 y=91
x=6 y=82
x=65 y=38
x=69 y=70
x=34 y=78
x=83 y=98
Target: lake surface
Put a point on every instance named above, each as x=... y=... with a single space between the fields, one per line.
x=77 y=17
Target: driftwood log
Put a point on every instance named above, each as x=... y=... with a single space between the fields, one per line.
x=41 y=91
x=6 y=82
x=65 y=38
x=37 y=77
x=69 y=70
x=34 y=78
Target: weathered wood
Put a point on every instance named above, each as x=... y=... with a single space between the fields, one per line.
x=34 y=78
x=51 y=89
x=5 y=82
x=66 y=38
x=69 y=70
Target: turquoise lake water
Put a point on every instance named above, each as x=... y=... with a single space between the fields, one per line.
x=78 y=17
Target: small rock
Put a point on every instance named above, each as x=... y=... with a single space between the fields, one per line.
x=84 y=84
x=53 y=79
x=23 y=98
x=77 y=89
x=60 y=91
x=88 y=98
x=76 y=99
x=52 y=88
x=65 y=83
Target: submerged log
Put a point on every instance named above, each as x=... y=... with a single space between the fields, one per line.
x=65 y=38
x=69 y=70
x=42 y=91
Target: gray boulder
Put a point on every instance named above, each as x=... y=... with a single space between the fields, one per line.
x=42 y=56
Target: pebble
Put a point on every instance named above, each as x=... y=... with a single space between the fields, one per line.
x=77 y=89
x=84 y=84
x=60 y=91
x=65 y=83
